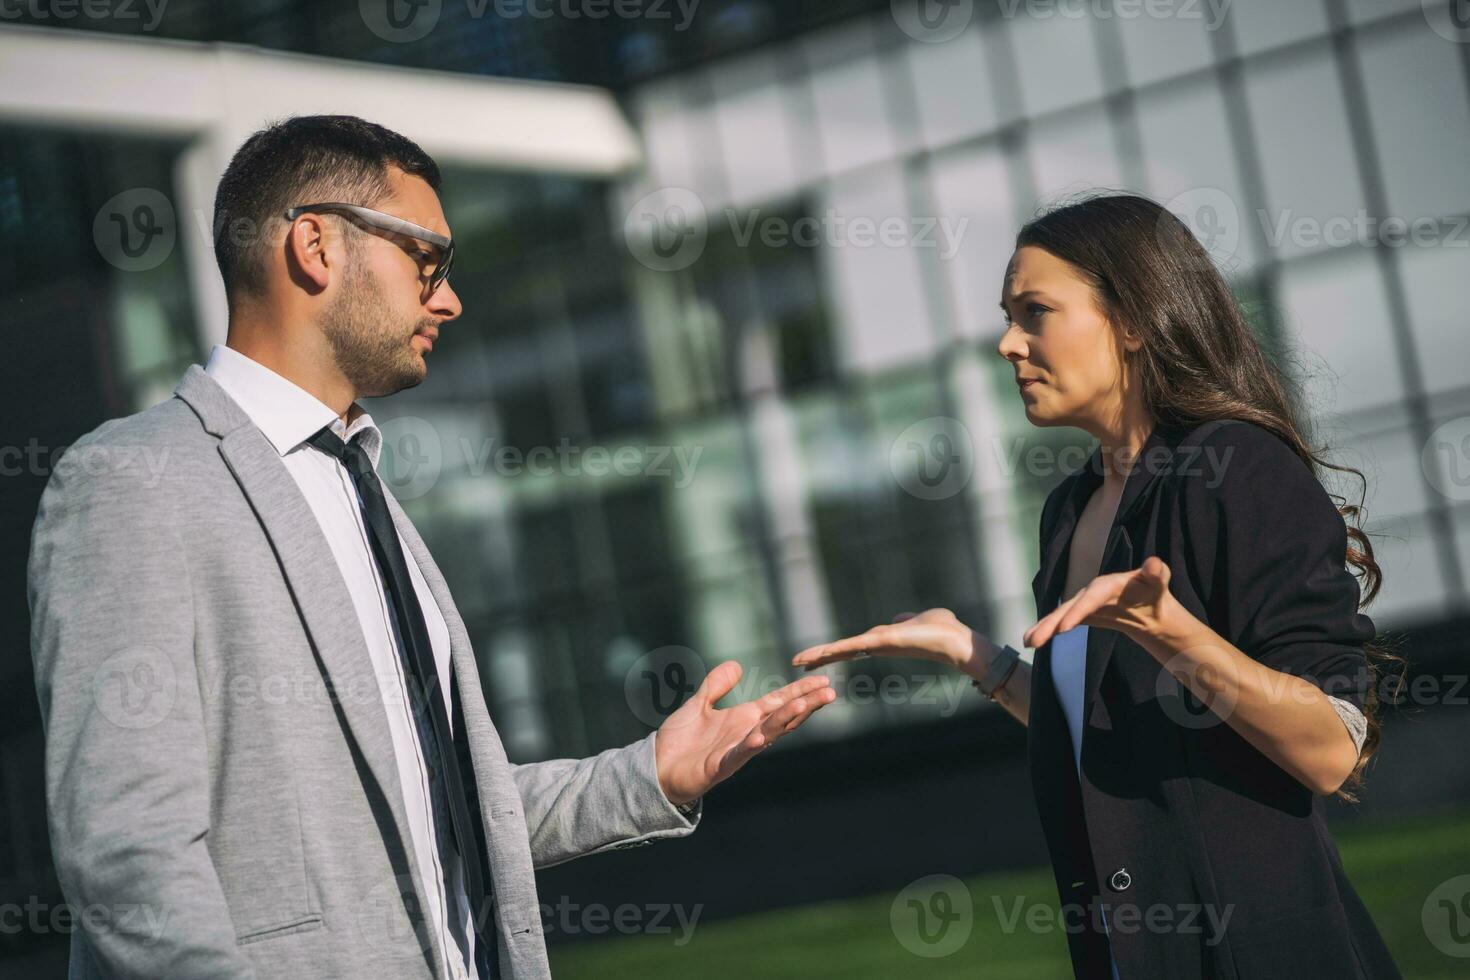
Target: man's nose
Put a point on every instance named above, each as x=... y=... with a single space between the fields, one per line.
x=445 y=302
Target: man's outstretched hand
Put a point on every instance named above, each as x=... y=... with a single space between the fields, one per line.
x=700 y=745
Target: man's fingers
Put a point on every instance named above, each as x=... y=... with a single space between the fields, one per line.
x=791 y=715
x=720 y=681
x=796 y=689
x=786 y=719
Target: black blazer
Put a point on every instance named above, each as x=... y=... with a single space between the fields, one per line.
x=1207 y=858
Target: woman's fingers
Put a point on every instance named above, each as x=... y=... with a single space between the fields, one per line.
x=933 y=634
x=1088 y=601
x=904 y=639
x=837 y=650
x=1102 y=594
x=1042 y=629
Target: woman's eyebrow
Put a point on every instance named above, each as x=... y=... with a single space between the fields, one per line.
x=1020 y=296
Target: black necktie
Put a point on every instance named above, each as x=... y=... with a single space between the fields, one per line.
x=454 y=818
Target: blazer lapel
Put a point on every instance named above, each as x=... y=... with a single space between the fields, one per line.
x=312 y=575
x=1154 y=461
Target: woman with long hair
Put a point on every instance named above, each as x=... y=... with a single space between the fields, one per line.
x=1202 y=677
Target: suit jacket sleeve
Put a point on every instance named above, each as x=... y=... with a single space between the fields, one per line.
x=584 y=806
x=1270 y=549
x=127 y=778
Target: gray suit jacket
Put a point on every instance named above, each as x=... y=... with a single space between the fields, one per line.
x=220 y=782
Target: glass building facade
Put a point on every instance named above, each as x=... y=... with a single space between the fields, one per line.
x=795 y=368
x=613 y=456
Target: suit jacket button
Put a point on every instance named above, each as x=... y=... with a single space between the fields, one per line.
x=1120 y=880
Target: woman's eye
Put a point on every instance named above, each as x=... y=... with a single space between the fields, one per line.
x=1036 y=309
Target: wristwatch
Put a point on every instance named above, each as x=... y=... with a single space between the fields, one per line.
x=686 y=810
x=999 y=671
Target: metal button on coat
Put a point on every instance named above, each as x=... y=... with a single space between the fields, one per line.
x=1120 y=880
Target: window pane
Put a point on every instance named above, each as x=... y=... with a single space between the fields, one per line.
x=1434 y=285
x=1312 y=187
x=1188 y=154
x=1368 y=10
x=1336 y=313
x=876 y=286
x=668 y=132
x=952 y=88
x=1421 y=124
x=1414 y=588
x=1073 y=154
x=1056 y=59
x=1391 y=462
x=1263 y=24
x=751 y=104
x=849 y=99
x=974 y=187
x=1172 y=42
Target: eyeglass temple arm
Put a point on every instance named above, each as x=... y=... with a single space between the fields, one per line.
x=381 y=219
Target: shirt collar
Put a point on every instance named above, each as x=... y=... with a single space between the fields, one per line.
x=285 y=412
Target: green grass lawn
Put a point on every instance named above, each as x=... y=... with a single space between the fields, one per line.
x=1394 y=867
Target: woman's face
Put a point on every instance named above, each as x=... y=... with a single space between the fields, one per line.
x=1059 y=340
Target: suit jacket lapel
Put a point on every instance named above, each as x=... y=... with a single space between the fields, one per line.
x=321 y=595
x=314 y=579
x=1118 y=553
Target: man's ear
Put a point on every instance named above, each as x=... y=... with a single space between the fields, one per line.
x=306 y=250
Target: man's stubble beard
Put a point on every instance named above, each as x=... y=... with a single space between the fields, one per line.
x=376 y=355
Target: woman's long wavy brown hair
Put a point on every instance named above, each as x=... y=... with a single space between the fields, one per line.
x=1200 y=360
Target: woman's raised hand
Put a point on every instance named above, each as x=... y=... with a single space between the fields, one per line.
x=1135 y=603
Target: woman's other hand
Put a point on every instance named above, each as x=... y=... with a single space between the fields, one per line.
x=1136 y=603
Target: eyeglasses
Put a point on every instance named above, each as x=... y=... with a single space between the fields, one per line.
x=436 y=267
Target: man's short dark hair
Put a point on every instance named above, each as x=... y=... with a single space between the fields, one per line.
x=302 y=160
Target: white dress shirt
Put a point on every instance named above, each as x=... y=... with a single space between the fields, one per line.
x=288 y=415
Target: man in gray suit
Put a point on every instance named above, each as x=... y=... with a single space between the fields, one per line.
x=267 y=748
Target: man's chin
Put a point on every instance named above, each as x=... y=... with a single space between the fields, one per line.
x=415 y=372
x=407 y=373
